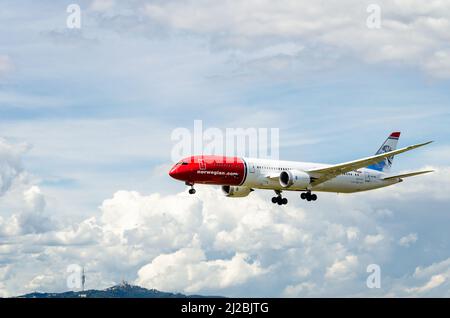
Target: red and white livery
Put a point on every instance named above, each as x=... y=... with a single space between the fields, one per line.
x=240 y=176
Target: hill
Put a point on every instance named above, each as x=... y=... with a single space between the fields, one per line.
x=123 y=290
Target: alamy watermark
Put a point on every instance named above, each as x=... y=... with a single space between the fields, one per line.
x=230 y=142
x=76 y=277
x=374 y=19
x=73 y=20
x=374 y=279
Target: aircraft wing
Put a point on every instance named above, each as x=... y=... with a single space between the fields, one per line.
x=321 y=175
x=405 y=175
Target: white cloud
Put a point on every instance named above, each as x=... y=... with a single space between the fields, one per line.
x=34 y=199
x=412 y=32
x=429 y=281
x=408 y=240
x=188 y=270
x=210 y=244
x=164 y=222
x=352 y=233
x=373 y=239
x=32 y=219
x=9 y=226
x=342 y=269
x=435 y=184
x=16 y=193
x=435 y=281
x=298 y=290
x=436 y=268
x=38 y=281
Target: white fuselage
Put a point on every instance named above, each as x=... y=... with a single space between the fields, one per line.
x=259 y=172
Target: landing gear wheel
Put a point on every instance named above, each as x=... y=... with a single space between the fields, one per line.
x=308 y=196
x=192 y=191
x=279 y=199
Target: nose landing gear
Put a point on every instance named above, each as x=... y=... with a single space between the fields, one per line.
x=191 y=190
x=279 y=199
x=308 y=196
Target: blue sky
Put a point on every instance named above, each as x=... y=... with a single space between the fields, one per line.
x=85 y=113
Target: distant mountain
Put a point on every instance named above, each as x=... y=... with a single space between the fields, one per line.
x=123 y=290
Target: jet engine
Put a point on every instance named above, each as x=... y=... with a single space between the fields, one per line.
x=294 y=179
x=236 y=192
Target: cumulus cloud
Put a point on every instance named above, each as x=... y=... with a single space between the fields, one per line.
x=435 y=281
x=298 y=290
x=407 y=240
x=32 y=219
x=428 y=281
x=440 y=185
x=163 y=222
x=188 y=269
x=9 y=226
x=342 y=268
x=178 y=243
x=34 y=199
x=14 y=186
x=210 y=244
x=373 y=239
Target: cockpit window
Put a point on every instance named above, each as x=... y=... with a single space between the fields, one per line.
x=184 y=163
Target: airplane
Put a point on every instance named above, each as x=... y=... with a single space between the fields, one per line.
x=239 y=176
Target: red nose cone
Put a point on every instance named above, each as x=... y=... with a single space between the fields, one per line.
x=173 y=173
x=179 y=172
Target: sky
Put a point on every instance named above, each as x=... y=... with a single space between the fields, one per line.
x=86 y=117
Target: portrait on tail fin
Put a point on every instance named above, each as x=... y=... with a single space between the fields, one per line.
x=389 y=145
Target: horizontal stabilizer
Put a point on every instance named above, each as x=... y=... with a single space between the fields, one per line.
x=406 y=175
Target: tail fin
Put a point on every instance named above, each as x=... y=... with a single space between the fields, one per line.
x=389 y=145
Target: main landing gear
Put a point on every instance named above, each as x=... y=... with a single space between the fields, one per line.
x=191 y=190
x=279 y=199
x=308 y=196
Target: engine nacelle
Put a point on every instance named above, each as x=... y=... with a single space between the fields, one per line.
x=294 y=179
x=236 y=192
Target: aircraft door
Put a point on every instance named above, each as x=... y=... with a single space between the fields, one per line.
x=251 y=166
